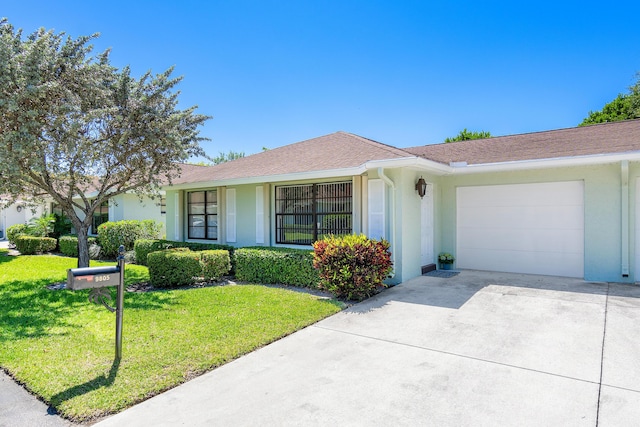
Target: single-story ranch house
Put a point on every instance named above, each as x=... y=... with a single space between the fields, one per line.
x=563 y=202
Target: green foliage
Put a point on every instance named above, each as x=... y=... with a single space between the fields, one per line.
x=227 y=157
x=622 y=108
x=60 y=346
x=466 y=135
x=88 y=122
x=29 y=245
x=143 y=247
x=61 y=226
x=14 y=231
x=446 y=258
x=113 y=234
x=276 y=266
x=42 y=226
x=68 y=245
x=352 y=267
x=214 y=264
x=35 y=228
x=171 y=267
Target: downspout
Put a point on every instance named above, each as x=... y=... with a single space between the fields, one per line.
x=624 y=206
x=392 y=228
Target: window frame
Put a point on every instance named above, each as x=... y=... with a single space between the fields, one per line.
x=100 y=216
x=210 y=219
x=309 y=210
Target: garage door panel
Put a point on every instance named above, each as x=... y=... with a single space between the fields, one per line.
x=521 y=216
x=527 y=228
x=554 y=264
x=541 y=194
x=522 y=239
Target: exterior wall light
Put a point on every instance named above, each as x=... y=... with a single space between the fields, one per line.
x=421 y=187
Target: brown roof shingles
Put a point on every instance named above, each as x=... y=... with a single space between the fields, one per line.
x=338 y=150
x=607 y=138
x=342 y=150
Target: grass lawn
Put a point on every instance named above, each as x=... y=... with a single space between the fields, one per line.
x=62 y=347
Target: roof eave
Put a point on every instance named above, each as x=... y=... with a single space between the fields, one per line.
x=545 y=163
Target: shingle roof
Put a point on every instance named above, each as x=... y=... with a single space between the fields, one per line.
x=338 y=150
x=607 y=138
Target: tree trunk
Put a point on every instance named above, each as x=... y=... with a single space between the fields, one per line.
x=83 y=245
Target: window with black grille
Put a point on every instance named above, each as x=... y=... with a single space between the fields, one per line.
x=202 y=214
x=305 y=213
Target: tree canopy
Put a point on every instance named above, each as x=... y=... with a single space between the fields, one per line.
x=466 y=135
x=623 y=107
x=227 y=157
x=80 y=131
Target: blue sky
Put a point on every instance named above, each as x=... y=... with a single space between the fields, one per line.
x=404 y=73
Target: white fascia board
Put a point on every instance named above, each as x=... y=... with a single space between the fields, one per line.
x=299 y=176
x=414 y=162
x=546 y=163
x=418 y=163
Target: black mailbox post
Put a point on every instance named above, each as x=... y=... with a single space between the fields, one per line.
x=97 y=279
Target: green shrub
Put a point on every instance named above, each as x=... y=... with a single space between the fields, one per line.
x=215 y=264
x=29 y=245
x=171 y=268
x=113 y=234
x=143 y=247
x=15 y=231
x=69 y=245
x=353 y=266
x=276 y=265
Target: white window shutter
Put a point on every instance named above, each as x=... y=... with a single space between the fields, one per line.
x=231 y=215
x=376 y=209
x=259 y=215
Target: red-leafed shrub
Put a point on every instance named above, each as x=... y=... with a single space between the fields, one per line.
x=352 y=267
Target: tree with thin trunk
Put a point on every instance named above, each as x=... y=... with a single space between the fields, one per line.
x=78 y=131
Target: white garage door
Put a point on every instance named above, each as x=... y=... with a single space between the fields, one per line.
x=522 y=228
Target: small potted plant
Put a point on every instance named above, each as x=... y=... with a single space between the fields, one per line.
x=446 y=260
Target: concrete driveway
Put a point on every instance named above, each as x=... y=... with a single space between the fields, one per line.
x=481 y=349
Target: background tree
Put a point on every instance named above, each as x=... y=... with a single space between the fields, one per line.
x=466 y=135
x=623 y=107
x=73 y=125
x=227 y=157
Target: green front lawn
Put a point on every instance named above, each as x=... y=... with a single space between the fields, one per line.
x=62 y=347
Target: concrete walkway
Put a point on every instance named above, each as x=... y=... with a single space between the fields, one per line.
x=481 y=349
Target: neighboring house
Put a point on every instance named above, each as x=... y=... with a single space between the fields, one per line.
x=16 y=213
x=563 y=202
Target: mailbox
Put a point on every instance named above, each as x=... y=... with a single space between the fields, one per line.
x=93 y=277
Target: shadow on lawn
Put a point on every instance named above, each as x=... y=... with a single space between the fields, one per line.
x=86 y=387
x=29 y=310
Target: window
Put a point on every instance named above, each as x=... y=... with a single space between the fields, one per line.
x=202 y=212
x=100 y=215
x=307 y=212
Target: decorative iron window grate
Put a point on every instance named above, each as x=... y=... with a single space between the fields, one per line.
x=307 y=212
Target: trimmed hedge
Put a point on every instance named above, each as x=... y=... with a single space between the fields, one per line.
x=113 y=234
x=173 y=268
x=215 y=264
x=69 y=245
x=276 y=265
x=144 y=247
x=181 y=266
x=14 y=231
x=30 y=245
x=353 y=266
